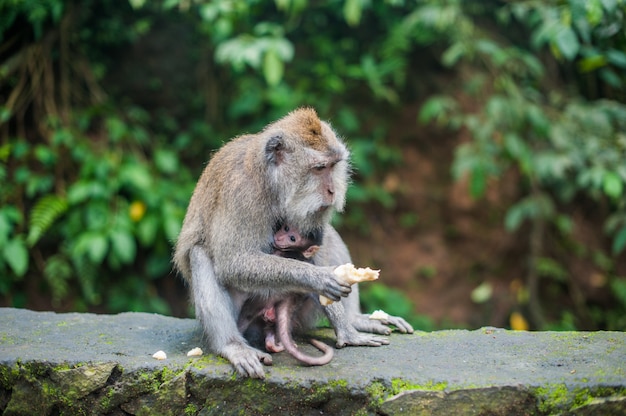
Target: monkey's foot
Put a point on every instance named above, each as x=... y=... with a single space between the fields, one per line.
x=246 y=360
x=365 y=323
x=356 y=338
x=271 y=345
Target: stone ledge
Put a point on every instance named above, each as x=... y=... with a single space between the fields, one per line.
x=102 y=364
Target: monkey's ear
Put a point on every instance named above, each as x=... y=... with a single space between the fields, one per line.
x=310 y=252
x=275 y=149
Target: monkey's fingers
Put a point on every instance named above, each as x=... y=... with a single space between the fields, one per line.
x=363 y=324
x=402 y=325
x=348 y=275
x=360 y=339
x=247 y=360
x=334 y=292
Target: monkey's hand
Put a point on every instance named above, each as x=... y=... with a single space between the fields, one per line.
x=348 y=274
x=331 y=287
x=378 y=323
x=246 y=360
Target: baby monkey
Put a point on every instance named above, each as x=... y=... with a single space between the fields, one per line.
x=290 y=243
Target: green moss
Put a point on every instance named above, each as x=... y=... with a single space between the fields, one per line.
x=191 y=409
x=167 y=374
x=8 y=376
x=553 y=397
x=63 y=367
x=6 y=339
x=151 y=380
x=399 y=385
x=32 y=371
x=377 y=392
x=106 y=401
x=107 y=339
x=556 y=398
x=337 y=384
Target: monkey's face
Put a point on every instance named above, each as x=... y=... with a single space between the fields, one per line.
x=319 y=187
x=311 y=181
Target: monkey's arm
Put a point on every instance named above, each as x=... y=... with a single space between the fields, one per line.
x=217 y=314
x=255 y=271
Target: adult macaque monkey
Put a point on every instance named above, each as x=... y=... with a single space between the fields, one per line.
x=293 y=172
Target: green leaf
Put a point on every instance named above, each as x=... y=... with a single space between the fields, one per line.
x=83 y=190
x=567 y=43
x=137 y=4
x=612 y=185
x=564 y=224
x=538 y=120
x=15 y=254
x=57 y=272
x=591 y=63
x=147 y=230
x=610 y=77
x=172 y=221
x=116 y=128
x=5 y=114
x=619 y=241
x=478 y=182
x=273 y=68
x=594 y=11
x=617 y=58
x=166 y=161
x=282 y=4
x=515 y=216
x=45 y=212
x=618 y=287
x=352 y=10
x=437 y=108
x=548 y=267
x=123 y=245
x=92 y=244
x=482 y=293
x=5 y=228
x=136 y=175
x=452 y=55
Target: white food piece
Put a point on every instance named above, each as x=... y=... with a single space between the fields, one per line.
x=160 y=355
x=379 y=315
x=194 y=352
x=347 y=273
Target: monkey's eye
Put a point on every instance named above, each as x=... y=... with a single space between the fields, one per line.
x=319 y=168
x=292 y=238
x=286 y=228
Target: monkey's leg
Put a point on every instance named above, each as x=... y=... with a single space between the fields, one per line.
x=217 y=314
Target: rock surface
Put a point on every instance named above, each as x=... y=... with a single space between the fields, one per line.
x=102 y=364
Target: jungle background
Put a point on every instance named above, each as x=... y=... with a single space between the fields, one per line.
x=488 y=145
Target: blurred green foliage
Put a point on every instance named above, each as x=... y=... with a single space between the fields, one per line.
x=564 y=143
x=98 y=160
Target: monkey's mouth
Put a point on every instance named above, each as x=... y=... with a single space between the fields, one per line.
x=324 y=208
